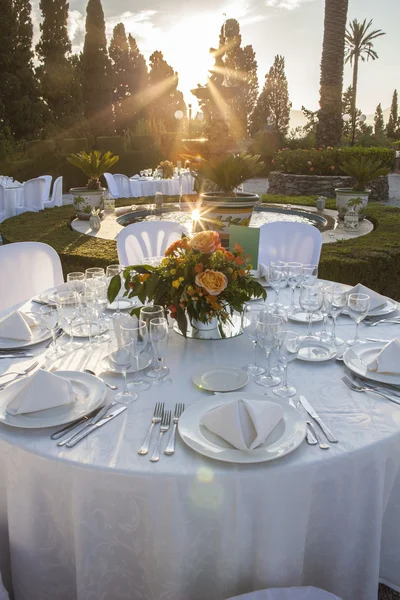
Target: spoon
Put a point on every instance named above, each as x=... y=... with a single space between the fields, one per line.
x=109 y=385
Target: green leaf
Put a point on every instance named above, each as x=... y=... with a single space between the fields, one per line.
x=181 y=320
x=114 y=288
x=150 y=285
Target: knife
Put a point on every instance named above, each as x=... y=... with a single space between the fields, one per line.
x=89 y=430
x=329 y=435
x=87 y=420
x=19 y=355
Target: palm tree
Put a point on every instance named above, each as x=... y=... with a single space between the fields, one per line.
x=359 y=44
x=329 y=127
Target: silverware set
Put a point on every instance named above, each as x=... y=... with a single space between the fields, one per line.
x=313 y=436
x=163 y=418
x=371 y=322
x=357 y=385
x=17 y=375
x=15 y=353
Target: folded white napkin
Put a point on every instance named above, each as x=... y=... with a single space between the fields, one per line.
x=143 y=178
x=40 y=391
x=263 y=270
x=17 y=326
x=388 y=359
x=245 y=424
x=375 y=300
x=135 y=177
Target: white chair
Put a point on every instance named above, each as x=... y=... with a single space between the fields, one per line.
x=186 y=182
x=149 y=238
x=123 y=185
x=2 y=205
x=56 y=198
x=289 y=242
x=26 y=269
x=46 y=194
x=112 y=185
x=33 y=196
x=3 y=592
x=298 y=593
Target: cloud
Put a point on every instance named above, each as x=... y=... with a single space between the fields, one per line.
x=76 y=29
x=285 y=4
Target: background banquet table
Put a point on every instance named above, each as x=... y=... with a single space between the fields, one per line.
x=169 y=187
x=99 y=521
x=13 y=197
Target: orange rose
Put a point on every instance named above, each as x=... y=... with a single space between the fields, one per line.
x=213 y=282
x=205 y=242
x=199 y=267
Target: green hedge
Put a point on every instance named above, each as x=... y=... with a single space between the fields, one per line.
x=326 y=161
x=40 y=148
x=373 y=259
x=74 y=145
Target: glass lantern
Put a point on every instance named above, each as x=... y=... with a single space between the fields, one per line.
x=351 y=222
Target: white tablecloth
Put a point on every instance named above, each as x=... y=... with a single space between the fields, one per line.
x=13 y=197
x=101 y=522
x=169 y=187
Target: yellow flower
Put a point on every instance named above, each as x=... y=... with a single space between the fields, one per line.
x=165 y=262
x=176 y=283
x=173 y=271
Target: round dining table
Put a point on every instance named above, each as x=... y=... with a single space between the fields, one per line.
x=99 y=521
x=148 y=186
x=13 y=198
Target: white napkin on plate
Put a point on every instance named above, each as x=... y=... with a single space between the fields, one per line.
x=375 y=300
x=388 y=359
x=40 y=391
x=17 y=326
x=263 y=270
x=245 y=424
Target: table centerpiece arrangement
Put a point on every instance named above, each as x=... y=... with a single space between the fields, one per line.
x=166 y=167
x=197 y=281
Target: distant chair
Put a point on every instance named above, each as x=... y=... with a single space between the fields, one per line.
x=289 y=242
x=26 y=269
x=186 y=183
x=148 y=238
x=123 y=185
x=46 y=194
x=33 y=196
x=56 y=198
x=295 y=593
x=112 y=185
x=2 y=204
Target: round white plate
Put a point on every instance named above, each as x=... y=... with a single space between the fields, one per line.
x=220 y=379
x=39 y=334
x=389 y=307
x=81 y=330
x=90 y=393
x=302 y=317
x=285 y=438
x=124 y=304
x=49 y=296
x=357 y=357
x=316 y=351
x=144 y=361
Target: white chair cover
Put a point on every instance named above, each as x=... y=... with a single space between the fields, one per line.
x=56 y=198
x=186 y=181
x=112 y=185
x=26 y=269
x=2 y=205
x=46 y=194
x=289 y=242
x=3 y=592
x=297 y=593
x=33 y=195
x=123 y=185
x=150 y=238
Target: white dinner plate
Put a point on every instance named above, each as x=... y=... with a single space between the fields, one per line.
x=356 y=358
x=81 y=330
x=49 y=296
x=144 y=361
x=286 y=437
x=387 y=308
x=316 y=351
x=90 y=393
x=302 y=317
x=39 y=334
x=124 y=304
x=220 y=379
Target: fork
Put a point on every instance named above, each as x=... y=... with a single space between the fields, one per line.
x=170 y=449
x=18 y=374
x=390 y=320
x=166 y=420
x=318 y=439
x=382 y=388
x=358 y=388
x=156 y=418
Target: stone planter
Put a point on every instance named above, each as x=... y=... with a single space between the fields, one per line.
x=219 y=211
x=344 y=195
x=85 y=200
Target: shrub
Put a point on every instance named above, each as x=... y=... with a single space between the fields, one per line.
x=39 y=148
x=74 y=145
x=112 y=143
x=3 y=151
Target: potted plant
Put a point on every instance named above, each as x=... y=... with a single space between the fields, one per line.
x=363 y=170
x=222 y=204
x=94 y=165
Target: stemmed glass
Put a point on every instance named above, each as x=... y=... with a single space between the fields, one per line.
x=250 y=316
x=336 y=300
x=295 y=271
x=94 y=272
x=267 y=326
x=147 y=313
x=112 y=271
x=286 y=346
x=50 y=317
x=159 y=341
x=358 y=307
x=76 y=281
x=88 y=301
x=311 y=298
x=278 y=279
x=69 y=306
x=134 y=334
x=323 y=335
x=309 y=274
x=141 y=173
x=121 y=359
x=99 y=289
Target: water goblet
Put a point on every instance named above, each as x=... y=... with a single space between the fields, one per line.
x=324 y=335
x=268 y=325
x=295 y=271
x=99 y=289
x=159 y=340
x=135 y=334
x=76 y=281
x=69 y=306
x=286 y=346
x=250 y=316
x=112 y=271
x=88 y=302
x=141 y=173
x=94 y=273
x=358 y=307
x=147 y=313
x=309 y=274
x=311 y=298
x=335 y=300
x=121 y=359
x=278 y=279
x=50 y=317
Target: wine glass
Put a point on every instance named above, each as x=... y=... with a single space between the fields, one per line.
x=147 y=313
x=278 y=279
x=112 y=271
x=76 y=281
x=141 y=173
x=311 y=298
x=268 y=325
x=358 y=307
x=159 y=341
x=94 y=273
x=88 y=301
x=50 y=317
x=121 y=359
x=69 y=306
x=336 y=300
x=295 y=271
x=323 y=335
x=309 y=274
x=99 y=289
x=286 y=346
x=250 y=316
x=135 y=334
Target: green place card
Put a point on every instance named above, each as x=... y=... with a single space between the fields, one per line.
x=248 y=238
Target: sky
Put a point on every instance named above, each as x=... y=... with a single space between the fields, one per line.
x=185 y=30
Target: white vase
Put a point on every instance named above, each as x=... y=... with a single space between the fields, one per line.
x=213 y=324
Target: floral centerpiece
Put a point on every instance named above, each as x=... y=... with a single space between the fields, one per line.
x=197 y=279
x=167 y=169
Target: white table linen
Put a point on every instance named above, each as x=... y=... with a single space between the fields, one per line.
x=13 y=198
x=99 y=521
x=168 y=187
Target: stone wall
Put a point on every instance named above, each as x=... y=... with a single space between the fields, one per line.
x=311 y=185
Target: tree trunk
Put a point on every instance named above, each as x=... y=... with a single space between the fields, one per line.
x=329 y=127
x=354 y=100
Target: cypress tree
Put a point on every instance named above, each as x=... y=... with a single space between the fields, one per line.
x=379 y=124
x=393 y=126
x=97 y=81
x=138 y=82
x=120 y=61
x=168 y=99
